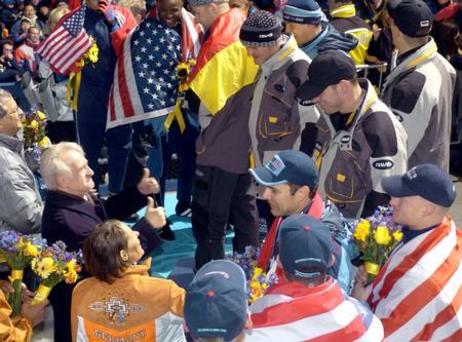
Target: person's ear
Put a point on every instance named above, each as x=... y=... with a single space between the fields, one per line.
x=62 y=181
x=248 y=323
x=124 y=255
x=332 y=262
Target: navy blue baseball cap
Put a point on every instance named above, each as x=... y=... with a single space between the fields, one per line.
x=413 y=17
x=288 y=166
x=216 y=301
x=305 y=243
x=427 y=180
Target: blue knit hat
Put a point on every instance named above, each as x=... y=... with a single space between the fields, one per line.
x=303 y=12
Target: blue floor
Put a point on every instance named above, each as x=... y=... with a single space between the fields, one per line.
x=170 y=253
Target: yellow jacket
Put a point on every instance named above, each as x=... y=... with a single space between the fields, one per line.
x=16 y=329
x=135 y=307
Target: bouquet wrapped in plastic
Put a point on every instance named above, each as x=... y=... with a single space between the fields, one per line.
x=376 y=237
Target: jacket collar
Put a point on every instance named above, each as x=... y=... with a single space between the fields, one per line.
x=142 y=269
x=12 y=143
x=422 y=55
x=280 y=58
x=345 y=11
x=74 y=203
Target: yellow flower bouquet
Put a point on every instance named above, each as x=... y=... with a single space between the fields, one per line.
x=257 y=280
x=376 y=237
x=53 y=266
x=89 y=57
x=17 y=251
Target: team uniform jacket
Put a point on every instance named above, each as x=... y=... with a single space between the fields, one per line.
x=419 y=91
x=277 y=118
x=294 y=312
x=135 y=307
x=353 y=161
x=345 y=20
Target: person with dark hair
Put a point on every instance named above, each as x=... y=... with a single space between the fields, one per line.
x=121 y=300
x=310 y=305
x=419 y=89
x=291 y=187
x=358 y=141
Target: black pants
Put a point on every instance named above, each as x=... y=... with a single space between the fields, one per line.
x=220 y=197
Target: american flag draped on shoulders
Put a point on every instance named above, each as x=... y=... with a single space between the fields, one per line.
x=145 y=79
x=67 y=43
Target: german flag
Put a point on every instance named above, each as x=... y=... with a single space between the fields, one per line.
x=223 y=66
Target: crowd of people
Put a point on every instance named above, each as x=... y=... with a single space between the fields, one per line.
x=289 y=121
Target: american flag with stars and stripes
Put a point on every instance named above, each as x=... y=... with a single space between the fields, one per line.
x=67 y=43
x=145 y=80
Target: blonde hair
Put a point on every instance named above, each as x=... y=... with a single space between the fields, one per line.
x=4 y=96
x=52 y=164
x=54 y=17
x=137 y=7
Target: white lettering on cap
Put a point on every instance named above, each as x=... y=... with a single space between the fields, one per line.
x=425 y=23
x=412 y=173
x=265 y=35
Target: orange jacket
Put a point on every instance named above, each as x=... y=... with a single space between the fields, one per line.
x=16 y=329
x=134 y=307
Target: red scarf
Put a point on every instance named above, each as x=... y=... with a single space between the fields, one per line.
x=315 y=210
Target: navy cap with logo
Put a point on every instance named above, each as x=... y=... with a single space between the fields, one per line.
x=216 y=301
x=305 y=243
x=427 y=180
x=288 y=166
x=413 y=17
x=327 y=68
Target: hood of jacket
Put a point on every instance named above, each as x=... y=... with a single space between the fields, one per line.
x=330 y=39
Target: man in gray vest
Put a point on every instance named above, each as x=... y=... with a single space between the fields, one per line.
x=420 y=86
x=358 y=140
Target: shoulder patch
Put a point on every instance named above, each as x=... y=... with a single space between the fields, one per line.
x=407 y=91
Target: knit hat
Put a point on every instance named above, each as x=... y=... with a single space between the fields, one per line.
x=303 y=12
x=261 y=28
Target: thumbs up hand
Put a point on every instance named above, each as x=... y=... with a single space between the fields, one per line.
x=148 y=185
x=155 y=216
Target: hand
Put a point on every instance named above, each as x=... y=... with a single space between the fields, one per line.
x=155 y=216
x=105 y=7
x=35 y=314
x=361 y=290
x=376 y=30
x=5 y=286
x=148 y=185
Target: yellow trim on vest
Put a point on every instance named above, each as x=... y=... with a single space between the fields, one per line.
x=345 y=11
x=432 y=49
